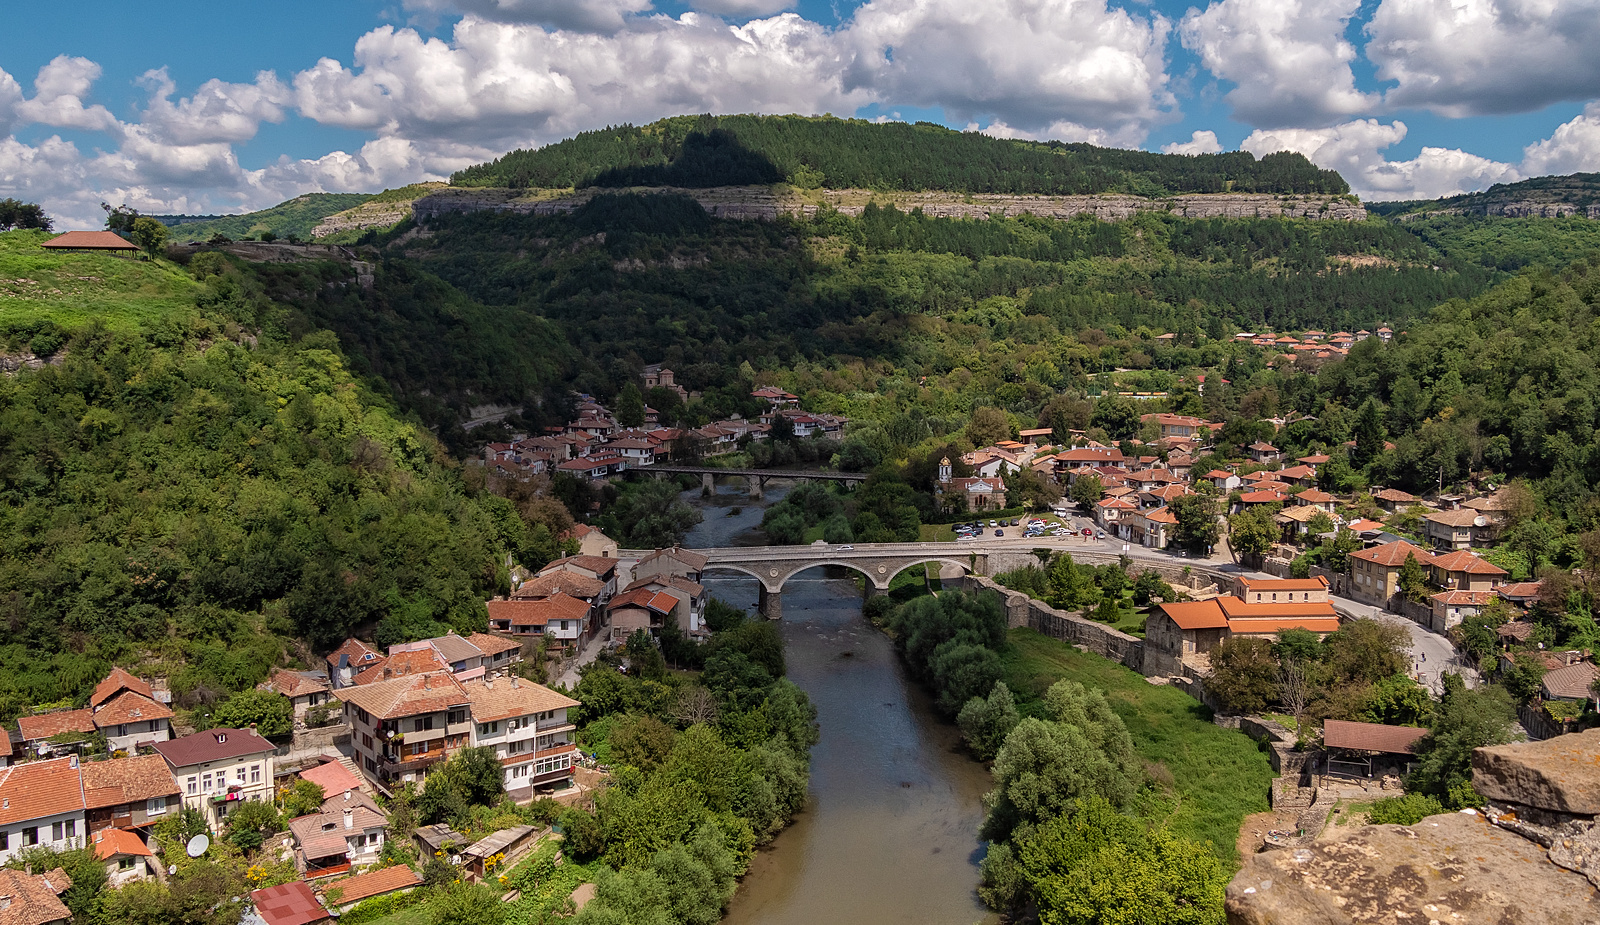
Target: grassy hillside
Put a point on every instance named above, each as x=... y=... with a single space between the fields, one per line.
x=707 y=151
x=295 y=217
x=39 y=288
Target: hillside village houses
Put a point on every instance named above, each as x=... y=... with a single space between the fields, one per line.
x=594 y=446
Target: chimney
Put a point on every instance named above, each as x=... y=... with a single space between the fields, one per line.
x=387 y=672
x=349 y=818
x=74 y=763
x=514 y=684
x=427 y=683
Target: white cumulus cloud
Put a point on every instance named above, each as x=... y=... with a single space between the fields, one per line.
x=58 y=97
x=1469 y=57
x=217 y=112
x=1573 y=147
x=1288 y=58
x=1200 y=142
x=740 y=9
x=1355 y=149
x=1032 y=65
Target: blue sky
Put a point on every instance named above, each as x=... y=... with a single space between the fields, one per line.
x=183 y=105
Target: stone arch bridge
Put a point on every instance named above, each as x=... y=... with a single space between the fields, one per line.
x=879 y=563
x=755 y=479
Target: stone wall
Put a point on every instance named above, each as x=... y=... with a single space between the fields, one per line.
x=308 y=745
x=1071 y=628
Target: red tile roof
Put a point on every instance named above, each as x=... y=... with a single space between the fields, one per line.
x=1393 y=555
x=118 y=680
x=374 y=883
x=539 y=611
x=401 y=664
x=658 y=601
x=293 y=903
x=1464 y=598
x=1394 y=495
x=1463 y=561
x=108 y=843
x=39 y=789
x=1371 y=737
x=89 y=240
x=1261 y=627
x=34 y=898
x=130 y=707
x=45 y=725
x=1571 y=682
x=566 y=581
x=1195 y=615
x=408 y=696
x=294 y=684
x=359 y=654
x=1283 y=584
x=212 y=745
x=493 y=645
x=123 y=781
x=333 y=777
x=1237 y=609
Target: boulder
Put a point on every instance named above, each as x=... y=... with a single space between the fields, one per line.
x=1454 y=868
x=1559 y=775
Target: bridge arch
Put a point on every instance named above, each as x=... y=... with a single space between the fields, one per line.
x=878 y=572
x=966 y=567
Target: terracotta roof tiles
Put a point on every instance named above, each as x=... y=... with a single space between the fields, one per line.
x=126 y=780
x=1464 y=561
x=130 y=707
x=292 y=903
x=1393 y=555
x=407 y=696
x=39 y=789
x=35 y=899
x=1371 y=737
x=118 y=680
x=45 y=725
x=375 y=883
x=503 y=699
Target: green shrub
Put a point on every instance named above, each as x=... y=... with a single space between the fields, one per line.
x=1407 y=810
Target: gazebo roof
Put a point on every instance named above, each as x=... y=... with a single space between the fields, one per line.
x=89 y=241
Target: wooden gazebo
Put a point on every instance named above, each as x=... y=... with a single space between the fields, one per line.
x=1352 y=746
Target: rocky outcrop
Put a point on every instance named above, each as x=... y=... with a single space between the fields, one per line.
x=1454 y=868
x=766 y=203
x=1559 y=775
x=1532 y=856
x=374 y=214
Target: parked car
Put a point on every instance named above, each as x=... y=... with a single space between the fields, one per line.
x=999 y=533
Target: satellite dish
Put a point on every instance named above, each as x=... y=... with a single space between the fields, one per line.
x=172 y=870
x=198 y=845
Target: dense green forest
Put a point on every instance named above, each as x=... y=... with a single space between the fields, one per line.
x=1028 y=306
x=707 y=151
x=191 y=496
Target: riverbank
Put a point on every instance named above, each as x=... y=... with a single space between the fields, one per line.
x=1215 y=776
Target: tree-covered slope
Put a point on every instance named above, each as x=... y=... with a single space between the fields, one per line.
x=708 y=151
x=1543 y=196
x=296 y=217
x=211 y=495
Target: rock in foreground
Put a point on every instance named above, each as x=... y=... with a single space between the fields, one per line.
x=1561 y=774
x=1454 y=868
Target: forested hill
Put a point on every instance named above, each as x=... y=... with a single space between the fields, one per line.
x=194 y=485
x=1575 y=194
x=707 y=151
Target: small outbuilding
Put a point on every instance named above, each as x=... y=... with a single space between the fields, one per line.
x=1357 y=749
x=105 y=242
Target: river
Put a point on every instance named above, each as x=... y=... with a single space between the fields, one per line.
x=889 y=833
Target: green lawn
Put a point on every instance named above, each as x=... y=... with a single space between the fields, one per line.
x=1218 y=776
x=71 y=289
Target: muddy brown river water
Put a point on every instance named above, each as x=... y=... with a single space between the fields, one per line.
x=889 y=832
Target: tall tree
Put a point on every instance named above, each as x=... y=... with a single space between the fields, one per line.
x=630 y=406
x=1369 y=435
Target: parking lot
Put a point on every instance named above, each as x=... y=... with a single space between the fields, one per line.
x=1038 y=526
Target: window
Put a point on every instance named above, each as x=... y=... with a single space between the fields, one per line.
x=489 y=729
x=366 y=740
x=255 y=774
x=72 y=828
x=422 y=724
x=56 y=834
x=125 y=864
x=5 y=840
x=457 y=716
x=30 y=836
x=193 y=786
x=205 y=782
x=155 y=806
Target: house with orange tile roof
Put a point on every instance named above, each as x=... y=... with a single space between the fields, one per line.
x=591 y=542
x=128 y=793
x=71 y=727
x=42 y=806
x=1449 y=608
x=128 y=714
x=559 y=615
x=1375 y=572
x=1463 y=570
x=1264 y=452
x=1177 y=631
x=403 y=726
x=304 y=690
x=350 y=659
x=125 y=856
x=639 y=609
x=347 y=831
x=531 y=729
x=1151 y=528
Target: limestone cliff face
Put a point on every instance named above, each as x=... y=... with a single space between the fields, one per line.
x=763 y=203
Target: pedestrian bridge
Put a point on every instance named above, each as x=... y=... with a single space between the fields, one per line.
x=879 y=563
